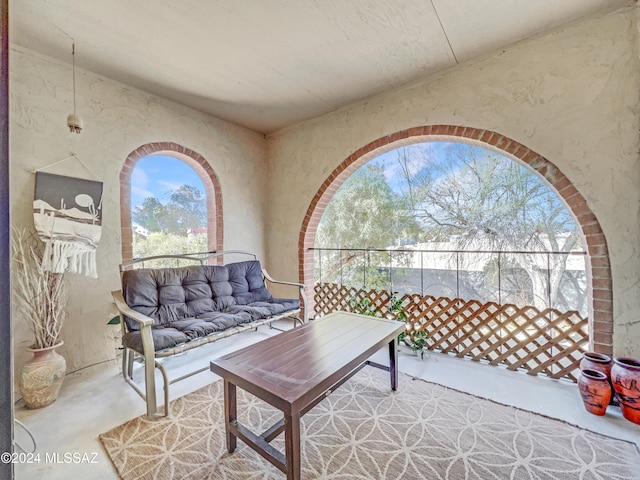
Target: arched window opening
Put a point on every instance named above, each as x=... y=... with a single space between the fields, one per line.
x=168 y=208
x=556 y=339
x=179 y=187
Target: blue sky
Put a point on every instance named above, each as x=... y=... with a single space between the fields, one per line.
x=429 y=156
x=156 y=175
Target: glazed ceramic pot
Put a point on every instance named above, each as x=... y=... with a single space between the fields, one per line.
x=625 y=375
x=601 y=363
x=595 y=391
x=42 y=377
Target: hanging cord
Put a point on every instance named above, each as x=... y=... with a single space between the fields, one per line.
x=73 y=68
x=33 y=440
x=73 y=155
x=74 y=122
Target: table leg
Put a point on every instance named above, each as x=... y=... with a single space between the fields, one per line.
x=393 y=363
x=292 y=445
x=230 y=413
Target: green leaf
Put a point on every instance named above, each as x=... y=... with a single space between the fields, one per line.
x=114 y=321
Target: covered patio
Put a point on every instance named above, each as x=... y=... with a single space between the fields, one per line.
x=556 y=91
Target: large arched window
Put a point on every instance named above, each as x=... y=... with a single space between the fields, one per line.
x=184 y=191
x=597 y=265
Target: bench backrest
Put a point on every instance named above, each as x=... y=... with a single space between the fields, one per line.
x=172 y=293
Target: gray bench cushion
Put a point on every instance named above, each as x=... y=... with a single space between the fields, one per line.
x=195 y=301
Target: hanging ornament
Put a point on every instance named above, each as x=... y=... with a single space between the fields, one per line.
x=74 y=122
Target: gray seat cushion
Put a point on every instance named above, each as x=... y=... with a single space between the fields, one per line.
x=191 y=302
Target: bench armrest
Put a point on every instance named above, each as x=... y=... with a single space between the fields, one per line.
x=125 y=310
x=268 y=277
x=148 y=350
x=300 y=286
x=145 y=322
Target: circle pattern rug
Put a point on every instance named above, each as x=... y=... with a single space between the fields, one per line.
x=363 y=430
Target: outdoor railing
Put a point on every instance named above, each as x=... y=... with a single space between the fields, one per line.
x=480 y=309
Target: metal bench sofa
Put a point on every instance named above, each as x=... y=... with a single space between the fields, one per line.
x=172 y=309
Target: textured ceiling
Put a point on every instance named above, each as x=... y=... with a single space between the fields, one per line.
x=270 y=63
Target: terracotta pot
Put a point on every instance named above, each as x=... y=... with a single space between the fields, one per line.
x=596 y=361
x=601 y=363
x=42 y=377
x=625 y=375
x=595 y=391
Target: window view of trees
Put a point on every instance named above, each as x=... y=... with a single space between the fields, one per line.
x=170 y=216
x=462 y=199
x=186 y=209
x=365 y=213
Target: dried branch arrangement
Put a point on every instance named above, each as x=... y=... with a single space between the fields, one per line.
x=40 y=295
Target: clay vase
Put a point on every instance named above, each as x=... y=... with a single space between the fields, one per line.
x=595 y=391
x=625 y=375
x=601 y=363
x=596 y=361
x=42 y=377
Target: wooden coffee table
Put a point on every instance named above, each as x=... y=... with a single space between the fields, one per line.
x=295 y=370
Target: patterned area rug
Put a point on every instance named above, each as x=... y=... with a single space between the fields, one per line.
x=363 y=431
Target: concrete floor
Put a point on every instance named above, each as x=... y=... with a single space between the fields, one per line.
x=96 y=399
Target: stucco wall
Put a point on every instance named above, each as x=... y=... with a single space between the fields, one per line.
x=117 y=120
x=570 y=96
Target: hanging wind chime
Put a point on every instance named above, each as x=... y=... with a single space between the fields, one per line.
x=74 y=122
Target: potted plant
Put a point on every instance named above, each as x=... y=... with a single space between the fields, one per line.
x=40 y=296
x=396 y=312
x=420 y=339
x=363 y=306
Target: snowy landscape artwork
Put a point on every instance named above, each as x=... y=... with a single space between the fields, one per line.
x=67 y=213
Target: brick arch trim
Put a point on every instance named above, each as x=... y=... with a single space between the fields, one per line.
x=215 y=233
x=598 y=268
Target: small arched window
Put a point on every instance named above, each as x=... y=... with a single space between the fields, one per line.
x=168 y=208
x=170 y=202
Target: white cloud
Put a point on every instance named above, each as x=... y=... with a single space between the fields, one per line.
x=141 y=193
x=139 y=187
x=139 y=178
x=169 y=186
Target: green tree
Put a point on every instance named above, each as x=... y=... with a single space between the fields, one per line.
x=186 y=208
x=169 y=224
x=152 y=215
x=364 y=212
x=159 y=243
